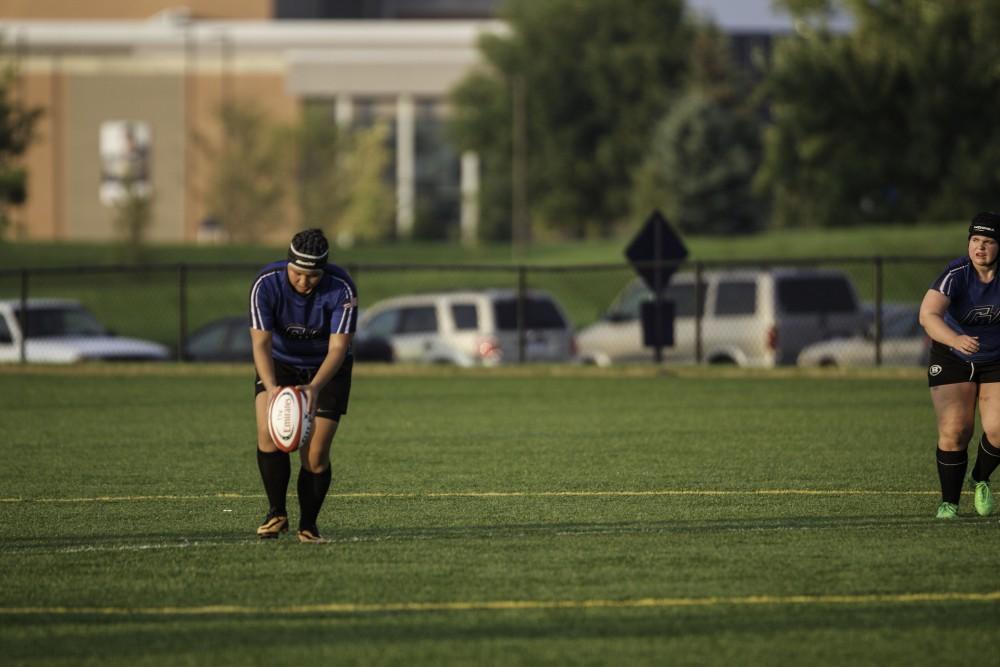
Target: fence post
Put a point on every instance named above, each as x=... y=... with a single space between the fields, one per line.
x=182 y=310
x=878 y=310
x=23 y=316
x=698 y=352
x=522 y=280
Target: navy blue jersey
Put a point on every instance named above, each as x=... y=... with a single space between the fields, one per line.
x=974 y=309
x=301 y=326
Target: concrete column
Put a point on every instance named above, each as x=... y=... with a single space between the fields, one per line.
x=343 y=110
x=405 y=165
x=470 y=198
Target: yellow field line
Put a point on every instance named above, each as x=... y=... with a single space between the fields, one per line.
x=512 y=605
x=496 y=494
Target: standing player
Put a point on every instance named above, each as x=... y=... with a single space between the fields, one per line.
x=303 y=314
x=961 y=314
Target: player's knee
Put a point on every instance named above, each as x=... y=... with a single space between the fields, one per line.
x=954 y=439
x=991 y=436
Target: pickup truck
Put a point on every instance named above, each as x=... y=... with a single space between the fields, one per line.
x=62 y=331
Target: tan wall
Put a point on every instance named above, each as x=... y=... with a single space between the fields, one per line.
x=131 y=9
x=268 y=93
x=63 y=161
x=94 y=99
x=40 y=217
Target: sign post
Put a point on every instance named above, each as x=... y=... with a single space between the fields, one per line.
x=655 y=253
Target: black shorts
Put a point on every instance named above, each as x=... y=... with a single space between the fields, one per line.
x=332 y=400
x=945 y=367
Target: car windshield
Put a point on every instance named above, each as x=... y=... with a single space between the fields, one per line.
x=816 y=294
x=905 y=324
x=55 y=321
x=538 y=314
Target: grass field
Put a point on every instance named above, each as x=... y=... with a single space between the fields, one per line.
x=509 y=517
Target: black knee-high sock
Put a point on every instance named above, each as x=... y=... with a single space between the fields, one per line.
x=275 y=471
x=987 y=460
x=951 y=471
x=312 y=492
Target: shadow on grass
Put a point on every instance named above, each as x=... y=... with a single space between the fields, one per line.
x=169 y=540
x=76 y=636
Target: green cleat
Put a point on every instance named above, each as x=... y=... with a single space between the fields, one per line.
x=983 y=497
x=947 y=511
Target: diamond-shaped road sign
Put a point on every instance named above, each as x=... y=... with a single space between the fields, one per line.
x=656 y=251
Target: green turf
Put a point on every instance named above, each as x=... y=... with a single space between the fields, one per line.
x=549 y=516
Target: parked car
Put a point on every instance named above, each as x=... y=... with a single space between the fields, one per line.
x=471 y=328
x=904 y=342
x=227 y=339
x=756 y=318
x=62 y=331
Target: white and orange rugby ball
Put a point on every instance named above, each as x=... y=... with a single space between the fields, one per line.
x=288 y=419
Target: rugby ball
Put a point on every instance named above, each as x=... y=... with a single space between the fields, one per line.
x=288 y=419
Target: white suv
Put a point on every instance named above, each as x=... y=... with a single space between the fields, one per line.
x=62 y=331
x=758 y=318
x=470 y=328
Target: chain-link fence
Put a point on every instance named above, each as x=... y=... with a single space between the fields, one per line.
x=846 y=311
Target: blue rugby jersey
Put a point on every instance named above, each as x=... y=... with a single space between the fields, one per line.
x=300 y=325
x=974 y=309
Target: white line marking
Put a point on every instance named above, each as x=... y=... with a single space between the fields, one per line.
x=508 y=605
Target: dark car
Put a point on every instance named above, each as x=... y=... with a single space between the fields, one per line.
x=228 y=339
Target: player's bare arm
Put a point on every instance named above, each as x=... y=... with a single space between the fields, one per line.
x=932 y=310
x=336 y=353
x=262 y=359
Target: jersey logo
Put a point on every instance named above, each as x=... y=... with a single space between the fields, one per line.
x=298 y=332
x=982 y=315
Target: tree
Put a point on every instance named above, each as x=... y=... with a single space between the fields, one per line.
x=596 y=78
x=17 y=125
x=133 y=214
x=369 y=204
x=321 y=190
x=248 y=190
x=890 y=122
x=704 y=153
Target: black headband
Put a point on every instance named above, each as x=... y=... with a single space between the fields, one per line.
x=304 y=261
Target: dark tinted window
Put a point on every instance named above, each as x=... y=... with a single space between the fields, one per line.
x=418 y=319
x=538 y=314
x=210 y=340
x=59 y=321
x=902 y=325
x=683 y=298
x=736 y=298
x=240 y=340
x=465 y=316
x=384 y=324
x=5 y=335
x=815 y=294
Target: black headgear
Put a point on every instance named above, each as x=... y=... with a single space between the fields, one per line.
x=985 y=224
x=309 y=250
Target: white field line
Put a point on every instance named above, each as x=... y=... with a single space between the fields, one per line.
x=496 y=494
x=512 y=605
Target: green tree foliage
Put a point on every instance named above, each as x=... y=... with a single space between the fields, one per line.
x=703 y=156
x=133 y=215
x=891 y=122
x=321 y=189
x=252 y=166
x=17 y=124
x=597 y=76
x=366 y=213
